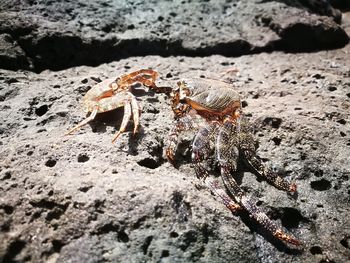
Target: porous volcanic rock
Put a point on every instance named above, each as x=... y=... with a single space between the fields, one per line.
x=60 y=34
x=80 y=198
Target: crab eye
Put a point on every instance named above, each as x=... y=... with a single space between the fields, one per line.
x=179 y=83
x=117 y=80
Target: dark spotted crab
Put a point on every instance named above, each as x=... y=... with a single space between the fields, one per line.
x=117 y=92
x=214 y=109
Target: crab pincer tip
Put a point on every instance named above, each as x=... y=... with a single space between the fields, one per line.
x=293 y=188
x=116 y=137
x=170 y=157
x=287 y=238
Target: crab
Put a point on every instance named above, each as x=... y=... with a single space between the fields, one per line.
x=213 y=109
x=114 y=93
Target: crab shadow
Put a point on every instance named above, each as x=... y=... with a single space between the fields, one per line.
x=114 y=119
x=252 y=224
x=111 y=118
x=257 y=228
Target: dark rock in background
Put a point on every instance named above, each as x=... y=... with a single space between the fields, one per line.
x=341 y=4
x=11 y=55
x=81 y=198
x=60 y=34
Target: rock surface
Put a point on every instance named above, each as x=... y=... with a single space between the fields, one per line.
x=80 y=198
x=60 y=34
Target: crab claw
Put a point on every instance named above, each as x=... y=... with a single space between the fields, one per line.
x=293 y=188
x=170 y=156
x=287 y=238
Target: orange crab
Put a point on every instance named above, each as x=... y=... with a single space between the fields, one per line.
x=114 y=93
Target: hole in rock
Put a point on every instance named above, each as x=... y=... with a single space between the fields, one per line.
x=188 y=238
x=165 y=253
x=345 y=242
x=158 y=211
x=318 y=173
x=276 y=140
x=82 y=158
x=318 y=76
x=315 y=250
x=174 y=234
x=7 y=175
x=85 y=188
x=122 y=236
x=55 y=213
x=57 y=245
x=50 y=163
x=14 y=249
x=41 y=110
x=149 y=163
x=8 y=209
x=342 y=121
x=146 y=244
x=109 y=227
x=291 y=217
x=259 y=203
x=321 y=185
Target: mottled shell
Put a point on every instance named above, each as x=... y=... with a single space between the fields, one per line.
x=209 y=95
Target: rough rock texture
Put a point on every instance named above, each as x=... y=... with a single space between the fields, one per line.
x=59 y=34
x=80 y=198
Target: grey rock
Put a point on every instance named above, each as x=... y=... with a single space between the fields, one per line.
x=11 y=55
x=81 y=198
x=60 y=34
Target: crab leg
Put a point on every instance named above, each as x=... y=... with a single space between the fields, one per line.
x=84 y=122
x=141 y=79
x=145 y=76
x=255 y=162
x=126 y=118
x=247 y=148
x=201 y=150
x=185 y=123
x=139 y=76
x=135 y=113
x=166 y=90
x=227 y=155
x=153 y=74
